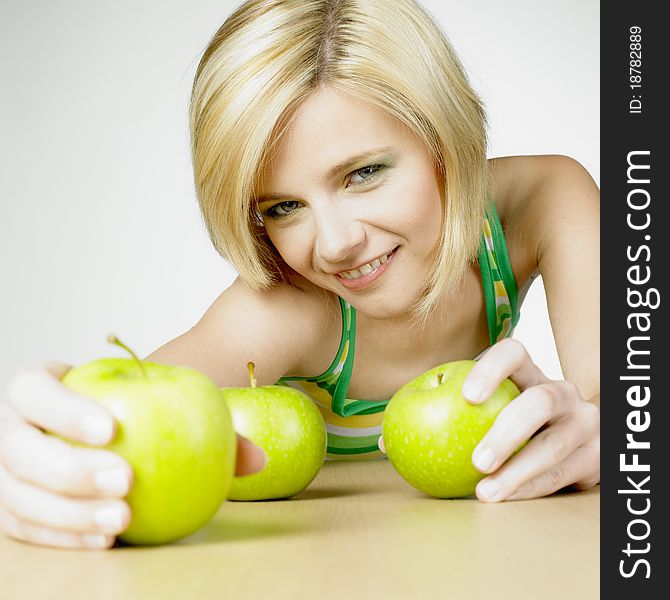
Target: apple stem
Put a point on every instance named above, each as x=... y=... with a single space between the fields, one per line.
x=439 y=378
x=112 y=339
x=252 y=379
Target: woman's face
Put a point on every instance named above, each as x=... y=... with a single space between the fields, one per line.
x=353 y=203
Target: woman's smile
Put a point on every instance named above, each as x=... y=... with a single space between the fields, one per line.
x=362 y=277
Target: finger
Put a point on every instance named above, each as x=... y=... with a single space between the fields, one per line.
x=38 y=396
x=507 y=358
x=542 y=454
x=49 y=462
x=518 y=421
x=43 y=536
x=41 y=507
x=580 y=467
x=380 y=443
x=250 y=458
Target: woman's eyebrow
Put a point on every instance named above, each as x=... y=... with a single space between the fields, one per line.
x=267 y=197
x=344 y=165
x=352 y=161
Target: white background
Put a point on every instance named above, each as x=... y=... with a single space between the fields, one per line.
x=99 y=227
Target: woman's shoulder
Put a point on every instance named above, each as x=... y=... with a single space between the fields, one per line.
x=274 y=328
x=299 y=305
x=298 y=319
x=537 y=199
x=521 y=183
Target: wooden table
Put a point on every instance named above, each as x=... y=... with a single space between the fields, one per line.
x=358 y=531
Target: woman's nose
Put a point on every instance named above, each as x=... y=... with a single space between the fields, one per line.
x=338 y=238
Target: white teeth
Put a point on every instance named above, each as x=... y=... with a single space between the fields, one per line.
x=365 y=269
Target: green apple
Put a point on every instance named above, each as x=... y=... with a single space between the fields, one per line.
x=177 y=435
x=430 y=430
x=286 y=424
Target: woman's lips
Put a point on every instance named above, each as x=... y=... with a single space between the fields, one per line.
x=366 y=280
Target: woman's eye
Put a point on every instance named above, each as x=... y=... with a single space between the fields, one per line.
x=357 y=177
x=283 y=209
x=366 y=174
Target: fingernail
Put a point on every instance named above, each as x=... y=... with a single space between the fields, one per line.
x=95 y=541
x=265 y=458
x=489 y=488
x=483 y=458
x=112 y=481
x=97 y=429
x=473 y=389
x=109 y=519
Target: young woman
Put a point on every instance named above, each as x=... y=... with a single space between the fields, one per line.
x=340 y=162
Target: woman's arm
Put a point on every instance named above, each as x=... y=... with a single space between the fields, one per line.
x=557 y=216
x=565 y=209
x=274 y=329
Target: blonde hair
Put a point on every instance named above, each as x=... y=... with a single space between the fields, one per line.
x=270 y=55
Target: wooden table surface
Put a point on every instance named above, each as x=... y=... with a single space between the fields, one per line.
x=358 y=531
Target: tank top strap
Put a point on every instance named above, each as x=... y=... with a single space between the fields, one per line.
x=500 y=288
x=335 y=380
x=341 y=405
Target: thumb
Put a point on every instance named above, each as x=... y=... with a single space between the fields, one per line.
x=250 y=458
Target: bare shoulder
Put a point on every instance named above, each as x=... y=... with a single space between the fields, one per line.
x=274 y=328
x=553 y=211
x=540 y=198
x=522 y=183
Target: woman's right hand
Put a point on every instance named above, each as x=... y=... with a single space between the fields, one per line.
x=53 y=493
x=56 y=494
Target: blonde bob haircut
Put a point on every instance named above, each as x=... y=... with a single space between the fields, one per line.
x=270 y=55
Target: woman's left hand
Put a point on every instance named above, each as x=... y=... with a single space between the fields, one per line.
x=563 y=427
